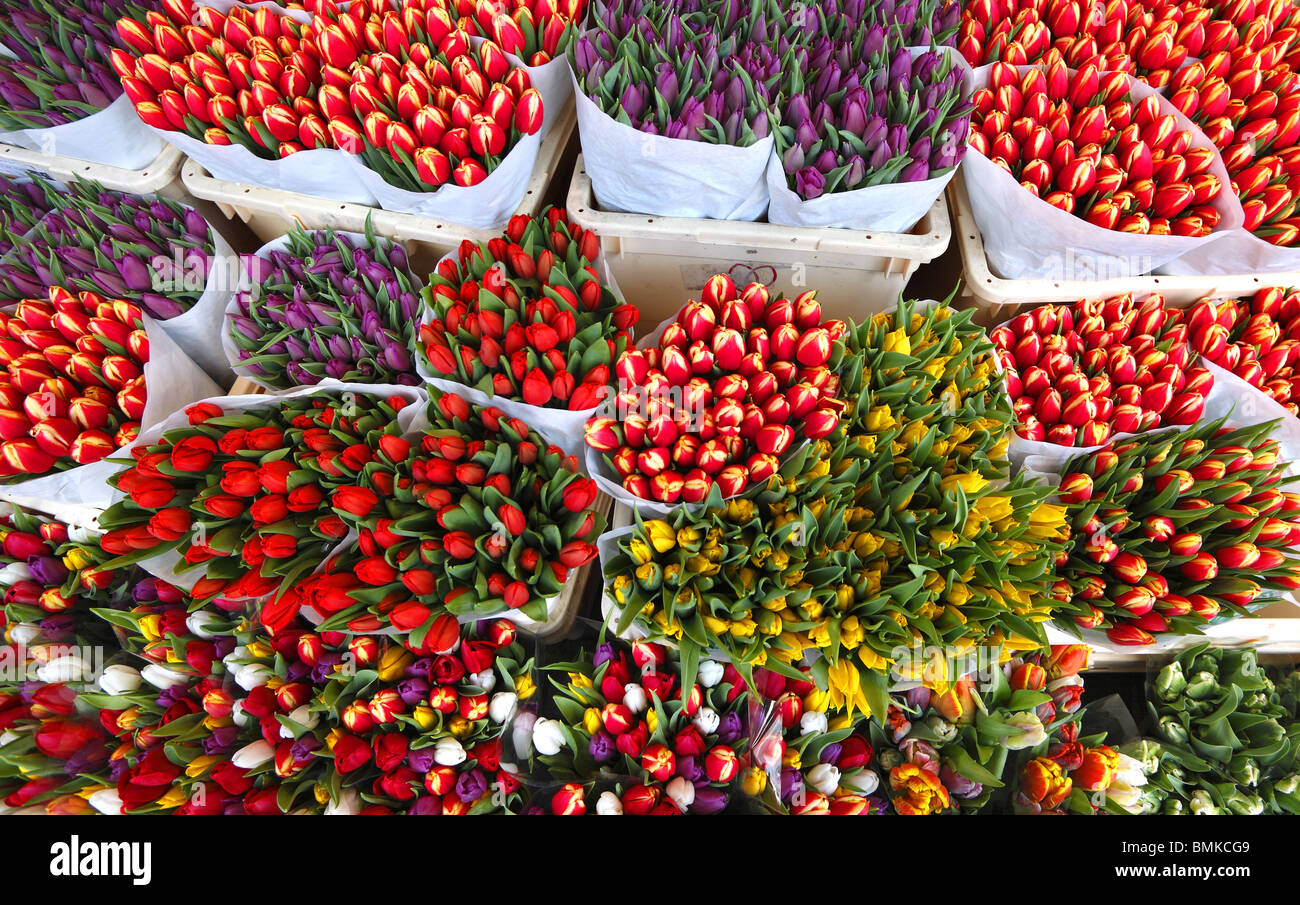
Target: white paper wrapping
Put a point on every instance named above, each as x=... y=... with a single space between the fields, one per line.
x=172 y=382
x=1239 y=252
x=114 y=136
x=894 y=208
x=164 y=564
x=1027 y=238
x=487 y=205
x=196 y=330
x=321 y=173
x=636 y=172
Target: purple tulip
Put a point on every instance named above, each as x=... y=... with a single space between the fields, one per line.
x=47 y=570
x=809 y=183
x=916 y=171
x=708 y=800
x=471 y=786
x=601 y=747
x=420 y=759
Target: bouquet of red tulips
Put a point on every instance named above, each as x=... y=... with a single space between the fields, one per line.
x=1248 y=106
x=1049 y=128
x=626 y=713
x=248 y=494
x=75 y=386
x=1081 y=374
x=536 y=31
x=407 y=91
x=1175 y=530
x=1258 y=339
x=735 y=381
x=1151 y=40
x=527 y=318
x=478 y=517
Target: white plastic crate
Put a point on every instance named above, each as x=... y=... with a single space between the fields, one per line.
x=660 y=262
x=161 y=177
x=999 y=299
x=270 y=213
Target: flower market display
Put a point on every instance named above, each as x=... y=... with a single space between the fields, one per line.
x=338 y=476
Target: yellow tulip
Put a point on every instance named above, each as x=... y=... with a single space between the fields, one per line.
x=524 y=687
x=591 y=720
x=661 y=535
x=424 y=716
x=755 y=782
x=197 y=767
x=393 y=662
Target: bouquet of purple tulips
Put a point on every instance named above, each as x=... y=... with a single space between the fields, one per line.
x=60 y=71
x=325 y=305
x=22 y=205
x=870 y=112
x=150 y=251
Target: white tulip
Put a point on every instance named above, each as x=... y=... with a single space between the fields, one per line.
x=502 y=706
x=79 y=535
x=548 y=737
x=486 y=680
x=161 y=677
x=198 y=621
x=7 y=736
x=251 y=676
x=706 y=720
x=24 y=633
x=634 y=697
x=1064 y=682
x=119 y=679
x=236 y=658
x=521 y=730
x=609 y=804
x=65 y=669
x=1130 y=771
x=106 y=801
x=14 y=573
x=448 y=752
x=239 y=715
x=864 y=782
x=682 y=792
x=348 y=805
x=303 y=716
x=6 y=509
x=709 y=673
x=825 y=778
x=253 y=755
x=812 y=721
